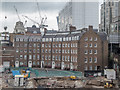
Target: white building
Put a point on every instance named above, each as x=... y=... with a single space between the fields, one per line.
x=78 y=14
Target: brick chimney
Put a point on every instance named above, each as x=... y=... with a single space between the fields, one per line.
x=72 y=28
x=90 y=27
x=45 y=30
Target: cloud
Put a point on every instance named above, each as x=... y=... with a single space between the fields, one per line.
x=30 y=7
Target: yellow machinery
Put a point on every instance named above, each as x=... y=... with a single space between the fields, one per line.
x=108 y=85
x=73 y=77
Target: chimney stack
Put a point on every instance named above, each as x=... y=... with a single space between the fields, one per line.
x=72 y=28
x=45 y=30
x=90 y=27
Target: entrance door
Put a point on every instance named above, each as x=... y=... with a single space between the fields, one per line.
x=62 y=65
x=30 y=64
x=53 y=64
x=42 y=64
x=16 y=63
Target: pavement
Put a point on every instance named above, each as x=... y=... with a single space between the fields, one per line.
x=0 y=80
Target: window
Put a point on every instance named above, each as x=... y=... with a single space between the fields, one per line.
x=90 y=68
x=95 y=45
x=62 y=45
x=95 y=67
x=85 y=59
x=21 y=56
x=46 y=51
x=68 y=51
x=71 y=45
x=56 y=57
x=49 y=51
x=53 y=57
x=90 y=51
x=90 y=44
x=34 y=45
x=90 y=60
x=38 y=45
x=86 y=52
x=21 y=63
x=42 y=45
x=17 y=45
x=38 y=57
x=21 y=39
x=38 y=63
x=95 y=51
x=25 y=45
x=86 y=45
x=30 y=51
x=25 y=57
x=69 y=38
x=95 y=39
x=45 y=57
x=63 y=51
x=71 y=51
x=59 y=58
x=90 y=38
x=49 y=57
x=30 y=45
x=17 y=39
x=85 y=68
x=86 y=38
x=59 y=51
x=56 y=45
x=46 y=45
x=53 y=45
x=49 y=45
x=95 y=60
x=42 y=50
x=76 y=44
x=59 y=45
x=30 y=56
x=42 y=57
x=25 y=51
x=33 y=57
x=34 y=63
x=68 y=58
x=34 y=51
x=38 y=50
x=66 y=45
x=62 y=58
x=56 y=51
x=17 y=50
x=71 y=58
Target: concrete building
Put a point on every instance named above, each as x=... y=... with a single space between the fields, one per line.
x=6 y=50
x=74 y=50
x=78 y=14
x=110 y=20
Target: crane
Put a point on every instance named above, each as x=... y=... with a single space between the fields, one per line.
x=39 y=24
x=17 y=13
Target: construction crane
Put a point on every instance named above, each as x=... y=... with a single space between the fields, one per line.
x=39 y=24
x=17 y=13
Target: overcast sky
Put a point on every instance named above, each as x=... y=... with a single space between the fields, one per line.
x=29 y=8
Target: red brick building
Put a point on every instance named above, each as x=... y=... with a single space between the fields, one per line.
x=83 y=50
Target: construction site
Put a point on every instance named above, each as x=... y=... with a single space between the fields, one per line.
x=49 y=78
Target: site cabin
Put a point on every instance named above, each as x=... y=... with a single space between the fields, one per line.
x=110 y=74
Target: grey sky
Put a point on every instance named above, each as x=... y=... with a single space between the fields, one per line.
x=49 y=9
